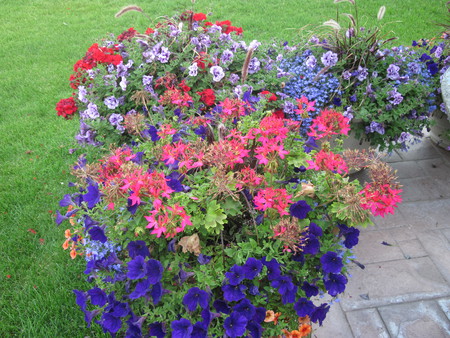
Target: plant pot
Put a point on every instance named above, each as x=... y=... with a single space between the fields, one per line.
x=440 y=130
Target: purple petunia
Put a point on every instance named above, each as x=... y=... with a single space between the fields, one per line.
x=164 y=55
x=235 y=275
x=299 y=209
x=319 y=313
x=310 y=245
x=245 y=308
x=329 y=59
x=136 y=268
x=141 y=289
x=375 y=127
x=393 y=72
x=235 y=325
x=157 y=329
x=194 y=297
x=181 y=328
x=111 y=102
x=395 y=97
x=138 y=248
x=92 y=197
x=217 y=73
x=331 y=262
x=335 y=283
x=252 y=268
x=233 y=293
x=153 y=270
x=351 y=235
x=304 y=307
x=97 y=234
x=310 y=289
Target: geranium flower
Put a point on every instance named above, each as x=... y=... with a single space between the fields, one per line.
x=66 y=107
x=277 y=199
x=329 y=122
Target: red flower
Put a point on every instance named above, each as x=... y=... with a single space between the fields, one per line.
x=149 y=31
x=270 y=96
x=127 y=35
x=207 y=96
x=66 y=107
x=184 y=87
x=199 y=17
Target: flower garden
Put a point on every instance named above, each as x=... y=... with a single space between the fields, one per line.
x=211 y=193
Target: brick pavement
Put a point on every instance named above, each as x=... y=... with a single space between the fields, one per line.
x=404 y=290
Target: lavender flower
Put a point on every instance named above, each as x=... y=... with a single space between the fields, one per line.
x=111 y=102
x=346 y=75
x=234 y=78
x=311 y=61
x=392 y=72
x=91 y=112
x=329 y=59
x=82 y=92
x=375 y=127
x=227 y=56
x=395 y=97
x=193 y=69
x=115 y=119
x=123 y=83
x=217 y=73
x=362 y=73
x=164 y=55
x=254 y=65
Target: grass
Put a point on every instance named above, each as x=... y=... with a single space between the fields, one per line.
x=42 y=39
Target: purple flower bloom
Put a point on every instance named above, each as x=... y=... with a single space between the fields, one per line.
x=91 y=112
x=227 y=56
x=335 y=283
x=315 y=229
x=156 y=293
x=283 y=284
x=141 y=289
x=300 y=209
x=81 y=298
x=310 y=289
x=157 y=329
x=110 y=323
x=97 y=234
x=115 y=119
x=254 y=65
x=136 y=268
x=217 y=73
x=193 y=69
x=329 y=59
x=234 y=78
x=181 y=328
x=153 y=270
x=346 y=75
x=235 y=325
x=196 y=296
x=310 y=245
x=331 y=262
x=245 y=308
x=233 y=293
x=273 y=268
x=111 y=102
x=252 y=268
x=138 y=248
x=164 y=55
x=392 y=72
x=304 y=307
x=311 y=61
x=375 y=127
x=221 y=306
x=362 y=73
x=289 y=296
x=92 y=197
x=236 y=274
x=82 y=92
x=350 y=234
x=319 y=313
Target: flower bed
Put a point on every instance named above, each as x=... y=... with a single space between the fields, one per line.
x=214 y=212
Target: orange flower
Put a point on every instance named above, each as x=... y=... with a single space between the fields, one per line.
x=305 y=329
x=270 y=316
x=304 y=320
x=277 y=315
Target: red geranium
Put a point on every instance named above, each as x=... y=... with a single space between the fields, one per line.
x=270 y=96
x=199 y=17
x=127 y=35
x=207 y=96
x=66 y=107
x=149 y=31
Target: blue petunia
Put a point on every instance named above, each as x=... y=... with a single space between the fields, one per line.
x=154 y=271
x=181 y=328
x=289 y=296
x=311 y=245
x=136 y=268
x=235 y=325
x=314 y=229
x=92 y=197
x=335 y=283
x=98 y=296
x=142 y=287
x=156 y=293
x=203 y=259
x=157 y=330
x=194 y=297
x=81 y=298
x=199 y=330
x=252 y=268
x=331 y=262
x=273 y=268
x=255 y=329
x=304 y=307
x=300 y=209
x=110 y=323
x=221 y=306
x=233 y=293
x=310 y=289
x=350 y=234
x=138 y=248
x=283 y=284
x=319 y=313
x=245 y=308
x=235 y=275
x=97 y=234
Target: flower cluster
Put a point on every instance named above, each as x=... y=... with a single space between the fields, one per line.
x=221 y=215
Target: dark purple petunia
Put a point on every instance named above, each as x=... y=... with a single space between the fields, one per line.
x=260 y=315
x=235 y=325
x=310 y=289
x=81 y=298
x=310 y=144
x=300 y=209
x=199 y=331
x=152 y=133
x=138 y=158
x=142 y=287
x=233 y=293
x=66 y=201
x=289 y=296
x=351 y=235
x=157 y=330
x=203 y=259
x=273 y=268
x=132 y=208
x=183 y=275
x=253 y=290
x=319 y=313
x=154 y=271
x=110 y=323
x=335 y=283
x=138 y=248
x=252 y=268
x=98 y=296
x=331 y=262
x=314 y=229
x=245 y=308
x=136 y=268
x=283 y=284
x=156 y=293
x=171 y=245
x=181 y=328
x=194 y=297
x=311 y=245
x=235 y=275
x=304 y=307
x=92 y=197
x=97 y=234
x=134 y=326
x=174 y=181
x=255 y=329
x=221 y=306
x=259 y=219
x=89 y=315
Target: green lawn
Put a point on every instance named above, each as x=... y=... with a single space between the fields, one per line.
x=41 y=40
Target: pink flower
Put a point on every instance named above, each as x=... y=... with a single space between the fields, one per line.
x=327 y=160
x=380 y=200
x=329 y=122
x=277 y=199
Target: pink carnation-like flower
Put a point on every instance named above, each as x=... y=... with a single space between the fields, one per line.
x=329 y=122
x=380 y=200
x=277 y=199
x=327 y=160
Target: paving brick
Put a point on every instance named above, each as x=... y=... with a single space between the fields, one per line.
x=445 y=306
x=404 y=233
x=426 y=215
x=396 y=220
x=438 y=249
x=436 y=167
x=371 y=250
x=412 y=248
x=335 y=324
x=393 y=282
x=420 y=151
x=446 y=233
x=424 y=189
x=416 y=320
x=367 y=323
x=410 y=169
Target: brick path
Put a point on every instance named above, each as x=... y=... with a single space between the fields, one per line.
x=404 y=291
